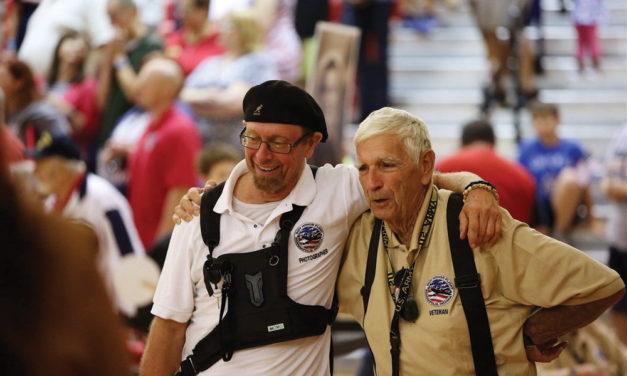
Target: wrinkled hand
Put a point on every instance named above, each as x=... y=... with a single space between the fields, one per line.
x=545 y=352
x=189 y=205
x=480 y=219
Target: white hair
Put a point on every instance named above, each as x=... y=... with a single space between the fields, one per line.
x=404 y=125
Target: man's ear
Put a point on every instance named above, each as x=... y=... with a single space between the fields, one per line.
x=312 y=142
x=427 y=164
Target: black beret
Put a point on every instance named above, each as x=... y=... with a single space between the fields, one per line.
x=281 y=102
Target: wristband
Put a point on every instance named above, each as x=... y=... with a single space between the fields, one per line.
x=121 y=63
x=480 y=184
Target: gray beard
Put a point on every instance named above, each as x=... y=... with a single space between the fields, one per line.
x=267 y=185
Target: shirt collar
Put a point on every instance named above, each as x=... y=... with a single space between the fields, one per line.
x=155 y=124
x=395 y=243
x=77 y=194
x=303 y=193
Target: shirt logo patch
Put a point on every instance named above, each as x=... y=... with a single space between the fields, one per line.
x=439 y=290
x=308 y=237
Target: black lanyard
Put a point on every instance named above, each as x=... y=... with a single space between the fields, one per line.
x=400 y=286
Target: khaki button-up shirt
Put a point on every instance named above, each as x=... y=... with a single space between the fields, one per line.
x=524 y=269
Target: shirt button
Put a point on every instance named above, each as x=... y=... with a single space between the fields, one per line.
x=263 y=246
x=255 y=226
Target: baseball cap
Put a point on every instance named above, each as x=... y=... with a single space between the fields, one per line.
x=280 y=102
x=58 y=145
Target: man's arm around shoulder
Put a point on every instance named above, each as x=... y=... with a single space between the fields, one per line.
x=164 y=348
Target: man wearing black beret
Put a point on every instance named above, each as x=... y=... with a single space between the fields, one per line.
x=247 y=287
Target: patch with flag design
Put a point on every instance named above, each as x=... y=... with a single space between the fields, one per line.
x=308 y=237
x=439 y=290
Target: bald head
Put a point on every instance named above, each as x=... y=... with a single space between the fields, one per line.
x=165 y=68
x=158 y=84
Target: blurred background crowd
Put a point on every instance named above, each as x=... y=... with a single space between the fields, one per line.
x=111 y=109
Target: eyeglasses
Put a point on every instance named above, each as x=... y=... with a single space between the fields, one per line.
x=275 y=147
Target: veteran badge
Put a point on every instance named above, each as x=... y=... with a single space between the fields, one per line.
x=308 y=237
x=439 y=290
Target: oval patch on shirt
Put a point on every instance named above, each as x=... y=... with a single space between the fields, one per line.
x=439 y=290
x=308 y=237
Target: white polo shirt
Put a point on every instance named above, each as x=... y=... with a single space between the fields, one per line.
x=106 y=210
x=334 y=200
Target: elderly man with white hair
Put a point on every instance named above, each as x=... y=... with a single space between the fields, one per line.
x=437 y=307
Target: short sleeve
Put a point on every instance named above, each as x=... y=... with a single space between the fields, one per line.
x=537 y=270
x=174 y=297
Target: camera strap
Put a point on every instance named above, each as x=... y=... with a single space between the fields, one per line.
x=400 y=285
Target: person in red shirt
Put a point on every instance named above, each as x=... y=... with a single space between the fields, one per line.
x=162 y=163
x=515 y=185
x=196 y=40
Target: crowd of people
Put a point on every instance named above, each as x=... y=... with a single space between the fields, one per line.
x=108 y=118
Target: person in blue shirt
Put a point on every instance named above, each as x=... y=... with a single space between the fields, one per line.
x=559 y=167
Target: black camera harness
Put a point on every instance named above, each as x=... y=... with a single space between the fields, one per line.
x=254 y=285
